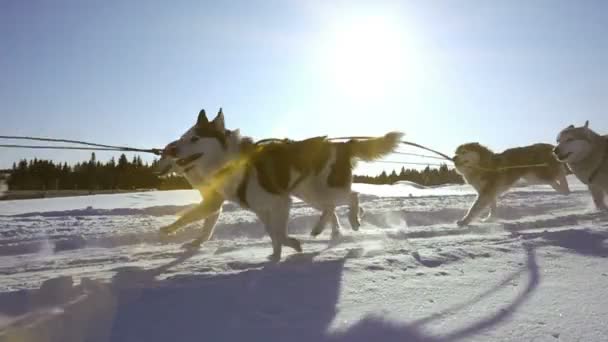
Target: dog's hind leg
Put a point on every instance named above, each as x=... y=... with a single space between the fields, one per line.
x=282 y=229
x=354 y=211
x=492 y=214
x=268 y=219
x=598 y=197
x=292 y=243
x=335 y=226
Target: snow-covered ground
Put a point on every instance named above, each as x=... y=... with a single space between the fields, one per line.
x=409 y=274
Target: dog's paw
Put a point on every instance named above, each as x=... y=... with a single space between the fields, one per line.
x=274 y=258
x=167 y=230
x=489 y=218
x=298 y=247
x=462 y=223
x=192 y=245
x=294 y=243
x=165 y=235
x=336 y=235
x=354 y=221
x=315 y=233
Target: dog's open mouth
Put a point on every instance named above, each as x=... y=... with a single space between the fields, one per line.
x=185 y=161
x=164 y=171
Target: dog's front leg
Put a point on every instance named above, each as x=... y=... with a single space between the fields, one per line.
x=207 y=232
x=211 y=204
x=598 y=197
x=484 y=198
x=275 y=221
x=271 y=221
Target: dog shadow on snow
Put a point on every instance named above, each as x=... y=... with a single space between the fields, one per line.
x=582 y=241
x=295 y=300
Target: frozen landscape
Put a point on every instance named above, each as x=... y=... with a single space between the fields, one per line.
x=93 y=269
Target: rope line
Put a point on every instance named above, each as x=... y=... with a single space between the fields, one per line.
x=406 y=163
x=418 y=155
x=504 y=168
x=446 y=157
x=45 y=147
x=103 y=147
x=156 y=151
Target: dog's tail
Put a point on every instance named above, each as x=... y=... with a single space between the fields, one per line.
x=374 y=148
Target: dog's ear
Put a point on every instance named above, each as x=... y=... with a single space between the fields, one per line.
x=218 y=122
x=571 y=126
x=587 y=124
x=202 y=118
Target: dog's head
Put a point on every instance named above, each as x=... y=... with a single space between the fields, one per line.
x=469 y=156
x=204 y=144
x=574 y=144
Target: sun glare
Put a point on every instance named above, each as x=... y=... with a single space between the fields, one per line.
x=366 y=56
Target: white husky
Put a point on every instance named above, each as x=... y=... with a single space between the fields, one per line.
x=223 y=165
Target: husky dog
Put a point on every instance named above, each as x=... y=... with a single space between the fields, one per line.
x=586 y=154
x=223 y=165
x=492 y=174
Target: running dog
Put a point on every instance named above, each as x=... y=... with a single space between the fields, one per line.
x=492 y=174
x=223 y=165
x=586 y=154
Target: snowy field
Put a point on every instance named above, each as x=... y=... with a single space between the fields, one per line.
x=93 y=269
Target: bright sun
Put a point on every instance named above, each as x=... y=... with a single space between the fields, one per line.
x=366 y=56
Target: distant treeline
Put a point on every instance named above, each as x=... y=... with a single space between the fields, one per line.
x=427 y=176
x=125 y=174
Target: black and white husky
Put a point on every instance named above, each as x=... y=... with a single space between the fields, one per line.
x=224 y=166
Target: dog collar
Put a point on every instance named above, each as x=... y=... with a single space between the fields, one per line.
x=599 y=166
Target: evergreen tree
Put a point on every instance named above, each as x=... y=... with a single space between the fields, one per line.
x=123 y=174
x=38 y=174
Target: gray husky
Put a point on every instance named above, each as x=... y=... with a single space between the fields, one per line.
x=586 y=154
x=492 y=174
x=223 y=165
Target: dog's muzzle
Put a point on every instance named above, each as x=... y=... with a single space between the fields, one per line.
x=170 y=150
x=191 y=158
x=458 y=162
x=559 y=155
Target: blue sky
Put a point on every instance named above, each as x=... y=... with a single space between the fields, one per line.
x=504 y=73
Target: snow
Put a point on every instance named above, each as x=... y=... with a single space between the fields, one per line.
x=136 y=200
x=93 y=269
